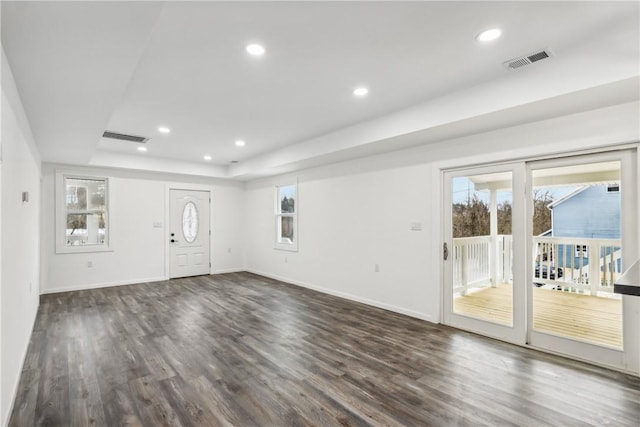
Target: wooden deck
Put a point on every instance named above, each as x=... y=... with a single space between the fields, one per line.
x=591 y=319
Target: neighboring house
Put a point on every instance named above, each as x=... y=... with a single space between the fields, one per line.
x=590 y=212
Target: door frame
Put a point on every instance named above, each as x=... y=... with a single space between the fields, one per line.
x=630 y=305
x=516 y=332
x=627 y=359
x=167 y=222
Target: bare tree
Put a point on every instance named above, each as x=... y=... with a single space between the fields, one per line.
x=505 y=214
x=471 y=218
x=541 y=212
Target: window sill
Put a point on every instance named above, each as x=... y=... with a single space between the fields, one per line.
x=82 y=249
x=286 y=247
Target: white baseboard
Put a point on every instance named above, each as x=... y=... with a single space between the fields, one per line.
x=103 y=285
x=126 y=282
x=228 y=270
x=17 y=383
x=351 y=297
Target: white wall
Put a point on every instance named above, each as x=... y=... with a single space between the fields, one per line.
x=19 y=234
x=227 y=252
x=356 y=214
x=348 y=222
x=138 y=200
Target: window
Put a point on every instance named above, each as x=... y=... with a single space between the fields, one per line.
x=190 y=222
x=81 y=214
x=286 y=217
x=582 y=251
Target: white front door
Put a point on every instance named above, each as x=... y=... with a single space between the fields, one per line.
x=189 y=233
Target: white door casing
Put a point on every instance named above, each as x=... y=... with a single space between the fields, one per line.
x=189 y=233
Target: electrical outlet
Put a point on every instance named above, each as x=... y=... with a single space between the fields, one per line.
x=90 y=264
x=376 y=268
x=285 y=259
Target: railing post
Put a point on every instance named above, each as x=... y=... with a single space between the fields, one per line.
x=500 y=252
x=463 y=269
x=594 y=268
x=493 y=242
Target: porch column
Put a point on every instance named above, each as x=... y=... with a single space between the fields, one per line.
x=493 y=244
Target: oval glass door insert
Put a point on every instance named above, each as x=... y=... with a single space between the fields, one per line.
x=190 y=222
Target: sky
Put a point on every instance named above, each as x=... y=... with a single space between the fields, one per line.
x=464 y=188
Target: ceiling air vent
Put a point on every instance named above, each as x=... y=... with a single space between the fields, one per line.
x=123 y=137
x=521 y=61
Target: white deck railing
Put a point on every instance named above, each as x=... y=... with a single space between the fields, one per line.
x=589 y=265
x=578 y=264
x=473 y=259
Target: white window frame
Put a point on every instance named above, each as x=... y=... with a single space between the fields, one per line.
x=278 y=215
x=61 y=215
x=583 y=254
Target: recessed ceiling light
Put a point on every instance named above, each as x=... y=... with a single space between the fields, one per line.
x=360 y=91
x=163 y=129
x=489 y=35
x=240 y=143
x=255 y=49
x=207 y=157
x=141 y=148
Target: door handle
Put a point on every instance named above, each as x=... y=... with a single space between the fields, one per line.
x=173 y=240
x=445 y=251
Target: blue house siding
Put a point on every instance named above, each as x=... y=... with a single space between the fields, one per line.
x=567 y=252
x=592 y=213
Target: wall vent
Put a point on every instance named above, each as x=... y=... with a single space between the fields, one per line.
x=522 y=61
x=124 y=137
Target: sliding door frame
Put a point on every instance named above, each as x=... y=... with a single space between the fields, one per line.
x=628 y=358
x=516 y=332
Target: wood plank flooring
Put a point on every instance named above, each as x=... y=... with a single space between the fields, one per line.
x=240 y=349
x=596 y=320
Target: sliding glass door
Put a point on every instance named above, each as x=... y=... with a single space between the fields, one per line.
x=582 y=216
x=484 y=269
x=533 y=249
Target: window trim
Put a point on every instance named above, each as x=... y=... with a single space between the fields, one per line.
x=60 y=195
x=277 y=244
x=581 y=254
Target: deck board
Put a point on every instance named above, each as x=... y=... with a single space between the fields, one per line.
x=587 y=318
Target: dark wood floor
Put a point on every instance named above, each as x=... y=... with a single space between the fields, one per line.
x=240 y=349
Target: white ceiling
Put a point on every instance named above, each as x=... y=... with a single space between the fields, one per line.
x=84 y=67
